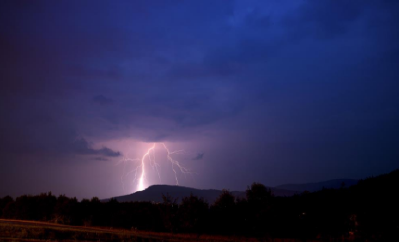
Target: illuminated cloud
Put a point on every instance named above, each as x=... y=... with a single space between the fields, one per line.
x=82 y=147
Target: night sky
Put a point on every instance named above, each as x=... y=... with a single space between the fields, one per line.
x=253 y=91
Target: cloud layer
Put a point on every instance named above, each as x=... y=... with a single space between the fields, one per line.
x=275 y=83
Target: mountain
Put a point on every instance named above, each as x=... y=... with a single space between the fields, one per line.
x=312 y=187
x=154 y=193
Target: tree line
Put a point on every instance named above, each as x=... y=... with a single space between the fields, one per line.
x=368 y=210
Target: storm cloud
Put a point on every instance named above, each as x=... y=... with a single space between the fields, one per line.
x=83 y=147
x=199 y=156
x=102 y=100
x=257 y=85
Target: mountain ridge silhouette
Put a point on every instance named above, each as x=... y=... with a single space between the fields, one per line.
x=154 y=193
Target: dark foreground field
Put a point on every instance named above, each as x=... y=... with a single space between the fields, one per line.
x=367 y=211
x=20 y=230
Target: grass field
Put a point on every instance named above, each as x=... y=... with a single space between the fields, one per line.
x=20 y=230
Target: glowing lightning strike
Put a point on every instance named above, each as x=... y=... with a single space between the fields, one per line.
x=150 y=157
x=143 y=174
x=175 y=162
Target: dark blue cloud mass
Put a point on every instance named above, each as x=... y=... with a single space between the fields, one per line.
x=272 y=91
x=199 y=156
x=102 y=100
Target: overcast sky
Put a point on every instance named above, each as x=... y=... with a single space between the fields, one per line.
x=253 y=91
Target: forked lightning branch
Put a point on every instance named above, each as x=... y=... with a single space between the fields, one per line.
x=149 y=160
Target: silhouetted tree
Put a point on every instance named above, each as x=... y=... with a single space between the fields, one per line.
x=193 y=212
x=4 y=202
x=169 y=213
x=223 y=213
x=65 y=210
x=259 y=199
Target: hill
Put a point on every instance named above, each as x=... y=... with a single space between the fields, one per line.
x=316 y=186
x=154 y=193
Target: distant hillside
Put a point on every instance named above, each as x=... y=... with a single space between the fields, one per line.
x=312 y=187
x=154 y=193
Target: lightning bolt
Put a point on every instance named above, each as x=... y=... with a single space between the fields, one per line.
x=175 y=162
x=150 y=158
x=124 y=161
x=140 y=186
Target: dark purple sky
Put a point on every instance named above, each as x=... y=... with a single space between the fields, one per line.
x=268 y=91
